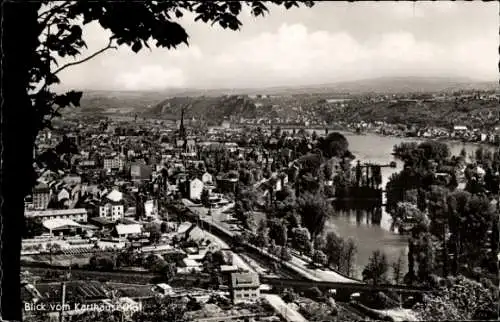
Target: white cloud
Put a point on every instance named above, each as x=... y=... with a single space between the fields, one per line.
x=294 y=52
x=327 y=43
x=151 y=77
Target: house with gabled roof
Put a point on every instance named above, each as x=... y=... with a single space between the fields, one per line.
x=244 y=287
x=124 y=231
x=112 y=206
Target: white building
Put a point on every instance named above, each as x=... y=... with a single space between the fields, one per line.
x=59 y=225
x=195 y=189
x=244 y=287
x=112 y=206
x=76 y=214
x=111 y=211
x=460 y=128
x=207 y=178
x=151 y=208
x=63 y=194
x=127 y=230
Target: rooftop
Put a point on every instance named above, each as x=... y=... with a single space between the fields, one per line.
x=115 y=196
x=57 y=223
x=128 y=229
x=246 y=279
x=56 y=212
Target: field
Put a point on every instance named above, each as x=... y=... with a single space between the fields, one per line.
x=49 y=274
x=59 y=260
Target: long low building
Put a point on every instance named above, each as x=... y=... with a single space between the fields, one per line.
x=76 y=214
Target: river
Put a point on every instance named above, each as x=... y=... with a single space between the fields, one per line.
x=357 y=224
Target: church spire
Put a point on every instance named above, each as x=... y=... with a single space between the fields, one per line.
x=182 y=131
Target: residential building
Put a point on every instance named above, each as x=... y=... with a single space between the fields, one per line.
x=111 y=210
x=244 y=287
x=112 y=206
x=207 y=178
x=151 y=208
x=195 y=189
x=63 y=195
x=140 y=172
x=114 y=163
x=41 y=196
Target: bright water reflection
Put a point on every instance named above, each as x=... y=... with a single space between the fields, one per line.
x=360 y=225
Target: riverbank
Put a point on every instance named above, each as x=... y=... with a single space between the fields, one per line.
x=321 y=131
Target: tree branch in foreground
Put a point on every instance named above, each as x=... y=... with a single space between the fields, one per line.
x=51 y=12
x=109 y=46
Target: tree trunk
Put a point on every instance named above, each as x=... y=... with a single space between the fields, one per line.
x=19 y=42
x=445 y=252
x=411 y=259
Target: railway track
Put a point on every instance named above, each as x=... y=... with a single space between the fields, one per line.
x=350 y=287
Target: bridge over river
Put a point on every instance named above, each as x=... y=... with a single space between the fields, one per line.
x=352 y=287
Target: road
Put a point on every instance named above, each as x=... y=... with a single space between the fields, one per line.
x=222 y=218
x=321 y=274
x=237 y=260
x=283 y=309
x=400 y=314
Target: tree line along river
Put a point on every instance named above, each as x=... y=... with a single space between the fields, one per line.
x=371 y=229
x=370 y=234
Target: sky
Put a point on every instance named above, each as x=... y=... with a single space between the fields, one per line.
x=328 y=43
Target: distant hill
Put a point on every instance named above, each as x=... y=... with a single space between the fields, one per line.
x=220 y=102
x=117 y=102
x=412 y=84
x=474 y=113
x=204 y=107
x=374 y=85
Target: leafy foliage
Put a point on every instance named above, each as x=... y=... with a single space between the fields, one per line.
x=288 y=295
x=319 y=257
x=340 y=252
x=397 y=269
x=278 y=231
x=460 y=299
x=162 y=309
x=301 y=239
x=334 y=145
x=314 y=211
x=262 y=239
x=377 y=269
x=33 y=227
